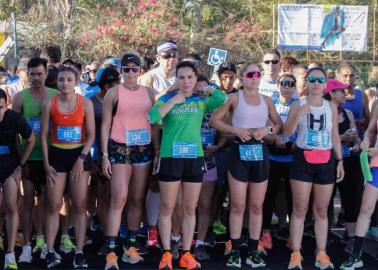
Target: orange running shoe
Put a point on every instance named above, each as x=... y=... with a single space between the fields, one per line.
x=166 y=261
x=188 y=262
x=228 y=248
x=323 y=261
x=261 y=249
x=266 y=239
x=111 y=262
x=295 y=261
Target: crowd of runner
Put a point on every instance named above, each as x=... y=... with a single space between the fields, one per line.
x=134 y=146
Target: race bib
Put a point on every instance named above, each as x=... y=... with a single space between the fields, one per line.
x=69 y=134
x=35 y=124
x=251 y=152
x=207 y=137
x=137 y=137
x=4 y=150
x=318 y=139
x=184 y=150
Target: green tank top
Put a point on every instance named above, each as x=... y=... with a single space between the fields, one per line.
x=32 y=112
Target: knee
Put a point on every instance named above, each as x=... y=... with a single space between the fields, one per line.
x=237 y=207
x=300 y=211
x=10 y=208
x=166 y=209
x=189 y=210
x=255 y=208
x=135 y=202
x=79 y=207
x=321 y=212
x=54 y=207
x=118 y=200
x=204 y=209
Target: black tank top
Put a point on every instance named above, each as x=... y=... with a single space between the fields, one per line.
x=345 y=125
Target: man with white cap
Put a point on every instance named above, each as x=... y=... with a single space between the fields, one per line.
x=162 y=77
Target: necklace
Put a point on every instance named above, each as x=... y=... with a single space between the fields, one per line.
x=132 y=88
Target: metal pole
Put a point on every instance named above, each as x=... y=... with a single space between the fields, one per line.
x=273 y=25
x=374 y=32
x=15 y=45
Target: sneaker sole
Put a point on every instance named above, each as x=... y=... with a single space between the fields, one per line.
x=51 y=265
x=80 y=266
x=25 y=261
x=127 y=260
x=317 y=266
x=233 y=265
x=66 y=251
x=249 y=262
x=354 y=266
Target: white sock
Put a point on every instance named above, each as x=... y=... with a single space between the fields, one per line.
x=152 y=207
x=175 y=238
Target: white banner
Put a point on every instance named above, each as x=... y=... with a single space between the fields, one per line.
x=322 y=27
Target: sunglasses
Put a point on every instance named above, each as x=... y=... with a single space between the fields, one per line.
x=168 y=55
x=287 y=84
x=252 y=75
x=312 y=79
x=274 y=62
x=93 y=70
x=130 y=69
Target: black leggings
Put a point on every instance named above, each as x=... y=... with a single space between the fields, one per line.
x=278 y=171
x=351 y=188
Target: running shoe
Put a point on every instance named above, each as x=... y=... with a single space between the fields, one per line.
x=66 y=244
x=219 y=228
x=175 y=245
x=79 y=261
x=95 y=223
x=39 y=243
x=141 y=249
x=10 y=262
x=275 y=220
x=234 y=260
x=227 y=248
x=201 y=254
x=353 y=262
x=153 y=239
x=88 y=241
x=210 y=239
x=52 y=260
x=349 y=246
x=26 y=255
x=103 y=249
x=254 y=260
x=19 y=240
x=166 y=261
x=131 y=255
x=1 y=242
x=323 y=261
x=261 y=249
x=143 y=231
x=188 y=262
x=372 y=233
x=111 y=262
x=266 y=240
x=295 y=261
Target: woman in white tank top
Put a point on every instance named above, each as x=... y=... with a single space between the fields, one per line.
x=249 y=170
x=317 y=155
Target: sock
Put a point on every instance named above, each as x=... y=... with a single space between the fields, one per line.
x=252 y=245
x=199 y=243
x=132 y=236
x=235 y=244
x=358 y=241
x=175 y=238
x=111 y=243
x=152 y=207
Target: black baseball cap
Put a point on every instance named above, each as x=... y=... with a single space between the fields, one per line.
x=131 y=58
x=227 y=66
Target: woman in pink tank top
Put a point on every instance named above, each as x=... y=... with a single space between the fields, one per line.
x=126 y=142
x=248 y=174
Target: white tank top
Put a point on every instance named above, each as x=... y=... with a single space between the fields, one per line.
x=314 y=131
x=249 y=116
x=160 y=83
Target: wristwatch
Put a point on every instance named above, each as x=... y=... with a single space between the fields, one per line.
x=270 y=130
x=83 y=156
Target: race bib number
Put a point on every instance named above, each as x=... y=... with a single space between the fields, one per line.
x=184 y=150
x=207 y=137
x=4 y=150
x=35 y=124
x=69 y=134
x=251 y=152
x=137 y=137
x=319 y=139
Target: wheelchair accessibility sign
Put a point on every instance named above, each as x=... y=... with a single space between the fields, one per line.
x=216 y=57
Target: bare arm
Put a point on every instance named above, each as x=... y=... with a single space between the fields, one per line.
x=107 y=109
x=17 y=102
x=335 y=132
x=217 y=120
x=45 y=119
x=292 y=120
x=89 y=126
x=273 y=116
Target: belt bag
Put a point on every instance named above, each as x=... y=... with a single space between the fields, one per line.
x=317 y=156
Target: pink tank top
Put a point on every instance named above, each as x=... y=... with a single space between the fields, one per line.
x=249 y=116
x=130 y=123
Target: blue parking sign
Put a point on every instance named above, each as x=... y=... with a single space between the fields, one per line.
x=216 y=57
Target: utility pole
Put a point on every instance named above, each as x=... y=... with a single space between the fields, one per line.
x=15 y=44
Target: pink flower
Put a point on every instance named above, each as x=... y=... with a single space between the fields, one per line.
x=153 y=2
x=153 y=29
x=142 y=7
